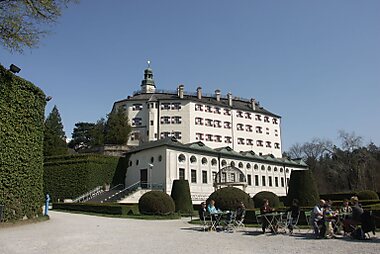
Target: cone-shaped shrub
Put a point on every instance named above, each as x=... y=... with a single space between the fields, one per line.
x=229 y=198
x=181 y=196
x=157 y=203
x=273 y=199
x=302 y=187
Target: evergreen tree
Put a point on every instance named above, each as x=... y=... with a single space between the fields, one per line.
x=54 y=136
x=87 y=135
x=117 y=128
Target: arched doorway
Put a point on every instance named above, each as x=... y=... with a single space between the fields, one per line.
x=230 y=176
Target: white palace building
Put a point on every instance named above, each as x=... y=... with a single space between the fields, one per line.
x=212 y=141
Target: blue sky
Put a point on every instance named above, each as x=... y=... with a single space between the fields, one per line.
x=315 y=63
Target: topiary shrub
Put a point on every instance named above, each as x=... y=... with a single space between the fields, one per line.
x=367 y=195
x=181 y=196
x=156 y=203
x=229 y=198
x=302 y=187
x=273 y=199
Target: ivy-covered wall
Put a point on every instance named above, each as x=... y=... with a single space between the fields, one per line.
x=73 y=175
x=22 y=107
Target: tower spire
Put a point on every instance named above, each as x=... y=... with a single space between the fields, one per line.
x=147 y=84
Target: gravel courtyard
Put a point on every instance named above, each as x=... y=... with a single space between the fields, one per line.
x=74 y=233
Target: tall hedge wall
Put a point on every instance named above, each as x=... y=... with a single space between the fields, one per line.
x=22 y=107
x=70 y=176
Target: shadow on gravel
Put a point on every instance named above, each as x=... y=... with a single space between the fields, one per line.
x=339 y=238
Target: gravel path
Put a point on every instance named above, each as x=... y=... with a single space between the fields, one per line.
x=74 y=233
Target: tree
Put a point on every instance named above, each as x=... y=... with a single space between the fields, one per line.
x=22 y=21
x=117 y=128
x=87 y=135
x=54 y=136
x=303 y=188
x=350 y=141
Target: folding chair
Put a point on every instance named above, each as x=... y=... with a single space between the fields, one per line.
x=292 y=222
x=308 y=221
x=239 y=220
x=259 y=218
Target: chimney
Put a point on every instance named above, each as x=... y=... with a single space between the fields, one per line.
x=180 y=91
x=229 y=97
x=199 y=93
x=253 y=103
x=217 y=95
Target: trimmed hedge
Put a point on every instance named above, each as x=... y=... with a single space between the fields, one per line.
x=70 y=176
x=98 y=208
x=156 y=203
x=302 y=187
x=181 y=196
x=22 y=107
x=229 y=198
x=273 y=199
x=367 y=195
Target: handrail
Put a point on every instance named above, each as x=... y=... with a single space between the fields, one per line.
x=114 y=187
x=131 y=189
x=88 y=194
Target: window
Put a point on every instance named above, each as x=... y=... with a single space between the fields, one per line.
x=270 y=181
x=151 y=122
x=224 y=163
x=266 y=119
x=198 y=107
x=208 y=122
x=239 y=127
x=165 y=119
x=287 y=170
x=227 y=139
x=165 y=134
x=262 y=167
x=250 y=142
x=208 y=137
x=213 y=162
x=199 y=136
x=241 y=178
x=227 y=112
x=240 y=141
x=259 y=129
x=269 y=168
x=282 y=182
x=177 y=134
x=256 y=180
x=248 y=165
x=181 y=158
x=276 y=133
x=268 y=144
x=248 y=115
x=137 y=107
x=217 y=124
x=137 y=162
x=267 y=131
x=233 y=177
x=151 y=159
x=275 y=169
x=224 y=177
x=248 y=128
x=258 y=117
x=249 y=179
x=240 y=165
x=276 y=181
x=130 y=163
x=204 y=176
x=263 y=180
x=208 y=109
x=193 y=176
x=259 y=143
x=176 y=119
x=227 y=125
x=165 y=106
x=136 y=121
x=256 y=167
x=135 y=136
x=213 y=177
x=217 y=110
x=181 y=173
x=204 y=161
x=198 y=121
x=218 y=138
x=277 y=145
x=232 y=164
x=275 y=121
x=239 y=114
x=193 y=159
x=160 y=158
x=176 y=105
x=281 y=170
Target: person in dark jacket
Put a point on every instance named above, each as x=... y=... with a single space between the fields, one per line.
x=295 y=211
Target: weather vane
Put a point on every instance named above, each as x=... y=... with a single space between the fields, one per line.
x=148 y=62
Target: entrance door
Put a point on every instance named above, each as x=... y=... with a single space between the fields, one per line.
x=144 y=178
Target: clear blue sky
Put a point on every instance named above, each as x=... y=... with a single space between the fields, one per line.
x=315 y=63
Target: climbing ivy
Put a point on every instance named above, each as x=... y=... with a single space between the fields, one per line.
x=22 y=107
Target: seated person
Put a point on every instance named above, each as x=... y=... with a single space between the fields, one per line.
x=295 y=211
x=329 y=217
x=202 y=211
x=240 y=212
x=346 y=213
x=355 y=219
x=211 y=207
x=317 y=219
x=266 y=209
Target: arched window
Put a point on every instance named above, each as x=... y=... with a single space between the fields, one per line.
x=232 y=164
x=287 y=170
x=160 y=158
x=281 y=170
x=224 y=163
x=248 y=165
x=256 y=167
x=240 y=165
x=213 y=162
x=275 y=169
x=269 y=168
x=262 y=167
x=204 y=160
x=193 y=159
x=152 y=159
x=181 y=158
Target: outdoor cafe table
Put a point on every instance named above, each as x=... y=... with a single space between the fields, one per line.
x=274 y=220
x=216 y=218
